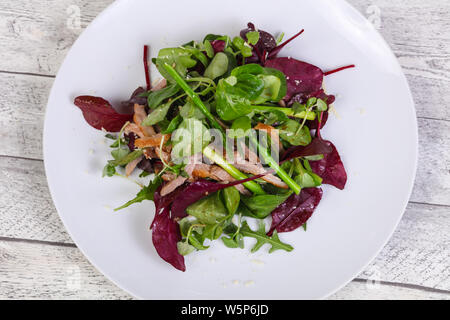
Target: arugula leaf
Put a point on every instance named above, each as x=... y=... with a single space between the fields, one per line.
x=118 y=143
x=213 y=231
x=157 y=115
x=230 y=242
x=190 y=110
x=127 y=159
x=173 y=125
x=262 y=238
x=155 y=98
x=109 y=171
x=196 y=242
x=146 y=193
x=120 y=153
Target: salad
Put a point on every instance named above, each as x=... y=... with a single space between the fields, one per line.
x=230 y=136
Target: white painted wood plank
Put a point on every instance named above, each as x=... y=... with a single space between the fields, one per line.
x=36 y=271
x=26 y=208
x=432 y=183
x=367 y=291
x=23 y=101
x=34 y=35
x=417 y=254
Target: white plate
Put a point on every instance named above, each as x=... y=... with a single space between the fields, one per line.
x=375 y=132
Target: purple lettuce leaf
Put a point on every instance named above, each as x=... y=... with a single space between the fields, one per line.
x=135 y=98
x=146 y=165
x=165 y=236
x=100 y=114
x=316 y=147
x=295 y=211
x=302 y=78
x=274 y=52
x=330 y=168
x=266 y=41
x=131 y=139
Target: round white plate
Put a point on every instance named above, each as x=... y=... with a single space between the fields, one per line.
x=375 y=132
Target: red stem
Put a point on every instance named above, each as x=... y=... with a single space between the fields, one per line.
x=264 y=56
x=339 y=69
x=147 y=70
x=278 y=48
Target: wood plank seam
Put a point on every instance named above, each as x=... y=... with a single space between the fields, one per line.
x=43 y=242
x=405 y=285
x=28 y=74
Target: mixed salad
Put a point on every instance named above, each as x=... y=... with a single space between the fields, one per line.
x=232 y=133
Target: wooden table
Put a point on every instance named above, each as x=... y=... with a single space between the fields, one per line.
x=38 y=258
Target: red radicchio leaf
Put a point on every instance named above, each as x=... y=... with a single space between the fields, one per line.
x=198 y=190
x=218 y=45
x=316 y=147
x=301 y=77
x=295 y=211
x=161 y=203
x=165 y=235
x=100 y=114
x=330 y=168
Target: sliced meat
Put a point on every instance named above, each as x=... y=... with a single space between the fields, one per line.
x=163 y=155
x=172 y=185
x=132 y=165
x=202 y=171
x=256 y=169
x=169 y=176
x=153 y=141
x=140 y=115
x=134 y=128
x=150 y=153
x=249 y=155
